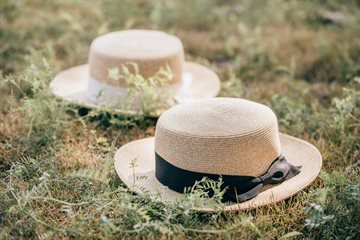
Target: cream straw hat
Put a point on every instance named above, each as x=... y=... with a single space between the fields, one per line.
x=89 y=85
x=229 y=137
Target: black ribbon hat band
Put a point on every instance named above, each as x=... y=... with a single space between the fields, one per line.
x=239 y=188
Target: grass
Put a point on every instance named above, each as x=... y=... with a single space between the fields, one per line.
x=57 y=178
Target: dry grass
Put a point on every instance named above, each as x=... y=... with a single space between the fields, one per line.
x=56 y=173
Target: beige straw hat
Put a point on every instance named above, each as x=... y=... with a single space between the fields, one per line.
x=233 y=138
x=90 y=86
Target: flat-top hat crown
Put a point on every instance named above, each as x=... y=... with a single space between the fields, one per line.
x=150 y=50
x=224 y=136
x=127 y=68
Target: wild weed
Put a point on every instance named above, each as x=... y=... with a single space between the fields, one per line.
x=149 y=95
x=57 y=178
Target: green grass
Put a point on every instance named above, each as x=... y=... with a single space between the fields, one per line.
x=57 y=178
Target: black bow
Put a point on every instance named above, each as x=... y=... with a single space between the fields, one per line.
x=279 y=171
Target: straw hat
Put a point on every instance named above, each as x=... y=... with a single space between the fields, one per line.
x=91 y=86
x=233 y=138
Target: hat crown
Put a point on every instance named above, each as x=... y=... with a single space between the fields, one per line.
x=219 y=136
x=150 y=50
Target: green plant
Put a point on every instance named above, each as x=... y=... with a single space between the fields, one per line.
x=149 y=95
x=57 y=178
x=43 y=115
x=335 y=209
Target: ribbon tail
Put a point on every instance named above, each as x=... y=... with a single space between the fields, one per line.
x=293 y=171
x=245 y=196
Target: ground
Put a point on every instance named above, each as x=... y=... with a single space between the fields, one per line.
x=57 y=178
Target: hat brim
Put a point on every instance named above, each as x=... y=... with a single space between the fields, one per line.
x=141 y=178
x=71 y=85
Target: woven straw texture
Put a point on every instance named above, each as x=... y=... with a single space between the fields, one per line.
x=221 y=136
x=150 y=50
x=297 y=152
x=80 y=84
x=226 y=136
